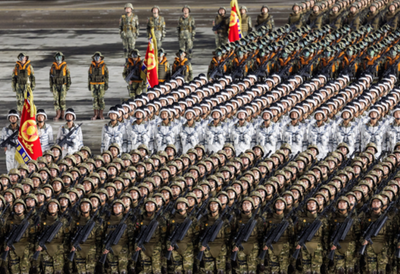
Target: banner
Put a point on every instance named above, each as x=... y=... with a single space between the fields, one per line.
x=150 y=63
x=28 y=144
x=234 y=32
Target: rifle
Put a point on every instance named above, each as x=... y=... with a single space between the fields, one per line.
x=15 y=235
x=202 y=209
x=179 y=71
x=132 y=75
x=218 y=71
x=179 y=233
x=9 y=140
x=146 y=234
x=3 y=212
x=114 y=236
x=244 y=233
x=219 y=25
x=239 y=71
x=341 y=233
x=64 y=140
x=81 y=235
x=211 y=233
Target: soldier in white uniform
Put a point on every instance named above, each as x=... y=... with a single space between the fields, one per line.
x=112 y=131
x=347 y=131
x=190 y=135
x=269 y=134
x=75 y=140
x=139 y=132
x=45 y=130
x=215 y=132
x=7 y=131
x=393 y=131
x=166 y=132
x=373 y=132
x=320 y=134
x=242 y=133
x=294 y=133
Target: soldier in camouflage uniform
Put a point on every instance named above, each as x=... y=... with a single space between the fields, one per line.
x=186 y=31
x=128 y=29
x=19 y=256
x=52 y=259
x=118 y=261
x=85 y=259
x=157 y=23
x=265 y=19
x=313 y=256
x=245 y=24
x=215 y=257
x=183 y=257
x=133 y=68
x=345 y=257
x=22 y=77
x=60 y=81
x=295 y=18
x=164 y=71
x=98 y=84
x=7 y=131
x=150 y=257
x=181 y=61
x=220 y=27
x=247 y=258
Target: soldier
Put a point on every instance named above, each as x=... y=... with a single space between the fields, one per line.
x=265 y=19
x=186 y=31
x=75 y=140
x=353 y=18
x=52 y=258
x=216 y=133
x=98 y=84
x=393 y=131
x=347 y=132
x=317 y=18
x=128 y=30
x=157 y=23
x=215 y=256
x=113 y=131
x=220 y=27
x=60 y=81
x=242 y=133
x=132 y=73
x=139 y=132
x=320 y=134
x=164 y=72
x=391 y=17
x=335 y=17
x=151 y=255
x=23 y=77
x=183 y=257
x=377 y=253
x=373 y=132
x=295 y=18
x=190 y=133
x=118 y=260
x=269 y=134
x=9 y=148
x=45 y=130
x=294 y=133
x=86 y=258
x=214 y=64
x=19 y=255
x=345 y=257
x=182 y=66
x=247 y=258
x=245 y=24
x=312 y=257
x=373 y=17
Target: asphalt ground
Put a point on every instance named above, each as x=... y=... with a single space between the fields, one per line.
x=78 y=29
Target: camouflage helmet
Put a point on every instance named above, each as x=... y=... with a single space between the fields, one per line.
x=128 y=5
x=182 y=200
x=264 y=6
x=86 y=200
x=344 y=198
x=315 y=200
x=186 y=7
x=279 y=199
x=249 y=199
x=155 y=7
x=23 y=54
x=214 y=200
x=243 y=8
x=11 y=191
x=27 y=181
x=118 y=201
x=65 y=196
x=98 y=53
x=151 y=200
x=54 y=201
x=14 y=171
x=87 y=149
x=59 y=53
x=20 y=201
x=377 y=197
x=31 y=196
x=221 y=8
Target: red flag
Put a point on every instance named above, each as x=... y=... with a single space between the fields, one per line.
x=150 y=64
x=28 y=145
x=234 y=32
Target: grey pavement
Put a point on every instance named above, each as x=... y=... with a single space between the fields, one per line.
x=78 y=29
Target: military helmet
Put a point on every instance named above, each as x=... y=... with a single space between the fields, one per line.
x=186 y=7
x=151 y=200
x=54 y=201
x=86 y=200
x=343 y=198
x=249 y=199
x=223 y=8
x=280 y=199
x=155 y=7
x=214 y=200
x=118 y=201
x=182 y=200
x=134 y=53
x=264 y=6
x=315 y=200
x=244 y=8
x=20 y=201
x=128 y=5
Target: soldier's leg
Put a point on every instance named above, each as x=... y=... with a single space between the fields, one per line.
x=131 y=41
x=20 y=97
x=317 y=259
x=188 y=259
x=220 y=261
x=101 y=102
x=383 y=260
x=63 y=98
x=217 y=41
x=10 y=159
x=132 y=90
x=273 y=262
x=241 y=262
x=306 y=261
x=182 y=44
x=223 y=40
x=189 y=48
x=371 y=259
x=159 y=43
x=95 y=94
x=56 y=98
x=209 y=262
x=80 y=263
x=351 y=258
x=177 y=262
x=339 y=263
x=125 y=47
x=252 y=260
x=15 y=263
x=123 y=259
x=284 y=258
x=47 y=263
x=112 y=263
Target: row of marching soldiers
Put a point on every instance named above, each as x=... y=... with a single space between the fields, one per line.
x=205 y=213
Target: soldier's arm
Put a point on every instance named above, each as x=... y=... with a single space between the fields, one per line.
x=50 y=81
x=190 y=76
x=106 y=74
x=13 y=80
x=193 y=28
x=164 y=30
x=32 y=78
x=137 y=25
x=68 y=78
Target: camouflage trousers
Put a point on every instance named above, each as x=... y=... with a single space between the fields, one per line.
x=183 y=262
x=279 y=262
x=151 y=264
x=346 y=260
x=211 y=264
x=60 y=97
x=98 y=92
x=20 y=264
x=135 y=89
x=376 y=261
x=20 y=94
x=220 y=40
x=247 y=263
x=86 y=263
x=186 y=44
x=118 y=263
x=128 y=44
x=52 y=263
x=312 y=262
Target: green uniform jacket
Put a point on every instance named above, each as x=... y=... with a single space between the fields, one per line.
x=288 y=235
x=321 y=237
x=256 y=235
x=190 y=237
x=266 y=20
x=158 y=236
x=384 y=237
x=352 y=236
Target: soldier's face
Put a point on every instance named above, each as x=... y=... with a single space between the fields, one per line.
x=296 y=9
x=264 y=10
x=221 y=12
x=23 y=59
x=95 y=202
x=85 y=207
x=312 y=206
x=288 y=199
x=155 y=13
x=376 y=205
x=223 y=199
x=243 y=11
x=247 y=207
x=185 y=12
x=372 y=9
x=279 y=205
x=117 y=208
x=19 y=209
x=13 y=119
x=52 y=208
x=128 y=10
